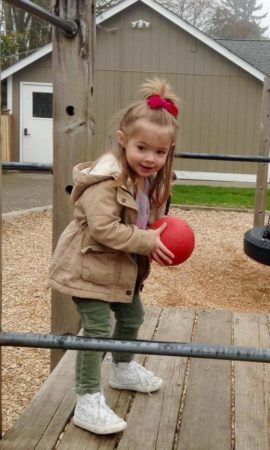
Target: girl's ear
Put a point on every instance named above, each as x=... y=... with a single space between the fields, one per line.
x=120 y=137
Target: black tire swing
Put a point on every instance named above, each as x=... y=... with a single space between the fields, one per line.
x=257 y=244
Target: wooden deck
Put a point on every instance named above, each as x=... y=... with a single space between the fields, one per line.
x=203 y=405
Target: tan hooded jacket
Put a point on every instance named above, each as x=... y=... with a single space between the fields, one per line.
x=93 y=256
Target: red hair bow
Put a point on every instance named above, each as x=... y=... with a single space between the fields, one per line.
x=156 y=102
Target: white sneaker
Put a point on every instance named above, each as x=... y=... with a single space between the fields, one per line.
x=134 y=377
x=92 y=414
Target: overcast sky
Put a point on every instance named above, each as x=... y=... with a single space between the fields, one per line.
x=266 y=8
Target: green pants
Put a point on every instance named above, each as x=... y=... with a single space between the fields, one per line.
x=96 y=322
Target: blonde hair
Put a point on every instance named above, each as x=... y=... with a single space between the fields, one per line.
x=160 y=189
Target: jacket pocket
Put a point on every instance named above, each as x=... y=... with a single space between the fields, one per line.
x=99 y=266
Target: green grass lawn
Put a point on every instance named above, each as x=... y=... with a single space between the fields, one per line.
x=226 y=197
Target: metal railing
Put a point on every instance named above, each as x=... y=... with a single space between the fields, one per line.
x=223 y=157
x=68 y=26
x=12 y=165
x=236 y=353
x=35 y=167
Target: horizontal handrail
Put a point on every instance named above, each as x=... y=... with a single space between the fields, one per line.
x=70 y=27
x=236 y=353
x=223 y=157
x=12 y=165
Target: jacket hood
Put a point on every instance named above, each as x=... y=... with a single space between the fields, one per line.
x=88 y=173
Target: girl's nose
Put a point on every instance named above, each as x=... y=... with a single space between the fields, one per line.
x=150 y=157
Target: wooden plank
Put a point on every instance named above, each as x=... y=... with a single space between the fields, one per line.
x=205 y=423
x=152 y=420
x=251 y=385
x=45 y=418
x=76 y=438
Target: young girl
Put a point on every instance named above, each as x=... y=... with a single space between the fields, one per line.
x=103 y=256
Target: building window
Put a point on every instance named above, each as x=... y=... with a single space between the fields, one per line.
x=3 y=95
x=42 y=104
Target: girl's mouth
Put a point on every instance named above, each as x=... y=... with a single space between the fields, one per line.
x=146 y=168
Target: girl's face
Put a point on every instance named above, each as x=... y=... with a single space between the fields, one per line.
x=146 y=148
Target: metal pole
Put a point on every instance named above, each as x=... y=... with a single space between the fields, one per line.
x=70 y=27
x=136 y=346
x=10 y=165
x=14 y=165
x=222 y=157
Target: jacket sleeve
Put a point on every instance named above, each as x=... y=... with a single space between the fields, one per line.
x=103 y=214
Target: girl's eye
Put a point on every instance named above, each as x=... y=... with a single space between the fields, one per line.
x=161 y=152
x=140 y=147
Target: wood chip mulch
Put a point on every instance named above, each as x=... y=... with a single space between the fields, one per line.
x=218 y=275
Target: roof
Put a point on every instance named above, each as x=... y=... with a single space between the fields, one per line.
x=204 y=38
x=35 y=56
x=255 y=52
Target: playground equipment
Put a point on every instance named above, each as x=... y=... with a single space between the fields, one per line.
x=35 y=167
x=68 y=26
x=257 y=244
x=223 y=157
x=234 y=353
x=148 y=347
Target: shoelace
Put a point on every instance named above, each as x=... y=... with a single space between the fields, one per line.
x=104 y=411
x=143 y=378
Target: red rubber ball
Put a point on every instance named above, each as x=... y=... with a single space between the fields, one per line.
x=178 y=238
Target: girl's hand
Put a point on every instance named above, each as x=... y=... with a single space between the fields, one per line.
x=161 y=254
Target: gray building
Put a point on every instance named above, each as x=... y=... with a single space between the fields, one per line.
x=219 y=83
